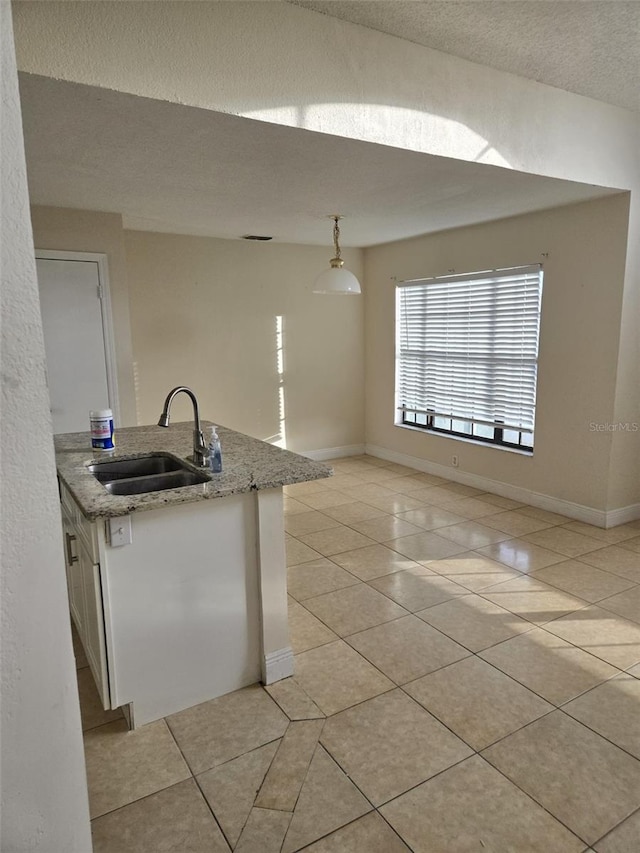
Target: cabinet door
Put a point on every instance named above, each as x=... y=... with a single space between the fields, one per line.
x=94 y=643
x=74 y=574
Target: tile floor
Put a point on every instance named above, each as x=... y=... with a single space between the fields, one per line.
x=467 y=679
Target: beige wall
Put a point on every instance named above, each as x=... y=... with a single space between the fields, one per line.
x=579 y=339
x=88 y=231
x=203 y=314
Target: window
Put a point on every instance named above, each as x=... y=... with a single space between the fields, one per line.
x=467 y=353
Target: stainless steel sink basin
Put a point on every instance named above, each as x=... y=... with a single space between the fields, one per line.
x=118 y=469
x=154 y=473
x=155 y=483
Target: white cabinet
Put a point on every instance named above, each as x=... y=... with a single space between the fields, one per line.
x=85 y=589
x=193 y=608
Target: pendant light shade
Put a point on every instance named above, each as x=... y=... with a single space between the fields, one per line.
x=337 y=279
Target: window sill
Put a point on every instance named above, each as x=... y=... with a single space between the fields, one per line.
x=487 y=444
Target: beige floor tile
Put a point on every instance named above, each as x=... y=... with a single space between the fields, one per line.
x=622 y=839
x=615 y=559
x=521 y=555
x=354 y=608
x=545 y=515
x=316 y=577
x=298 y=552
x=472 y=534
x=308 y=522
x=404 y=470
x=625 y=604
x=613 y=710
x=499 y=501
x=417 y=588
x=437 y=495
x=602 y=633
x=477 y=702
x=473 y=570
x=532 y=599
x=313 y=487
x=430 y=517
x=632 y=545
x=337 y=677
x=293 y=507
x=328 y=800
x=472 y=808
x=378 y=474
x=548 y=665
x=583 y=780
x=356 y=511
x=174 y=819
x=373 y=562
x=91 y=710
x=293 y=700
x=336 y=540
x=264 y=832
x=394 y=504
x=564 y=541
x=611 y=536
x=470 y=507
x=305 y=631
x=368 y=834
x=368 y=491
x=585 y=581
x=326 y=499
x=231 y=788
x=474 y=622
x=406 y=648
x=124 y=766
x=515 y=523
x=288 y=769
x=426 y=546
x=405 y=485
x=427 y=479
x=386 y=527
x=390 y=744
x=345 y=480
x=216 y=731
x=462 y=490
x=634 y=670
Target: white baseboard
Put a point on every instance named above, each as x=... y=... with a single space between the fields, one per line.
x=277 y=665
x=334 y=452
x=586 y=514
x=622 y=515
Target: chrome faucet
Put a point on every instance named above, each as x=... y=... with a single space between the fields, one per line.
x=200 y=451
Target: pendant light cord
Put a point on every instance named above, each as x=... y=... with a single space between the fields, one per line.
x=336 y=237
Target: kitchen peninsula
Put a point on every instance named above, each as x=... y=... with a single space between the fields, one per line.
x=179 y=596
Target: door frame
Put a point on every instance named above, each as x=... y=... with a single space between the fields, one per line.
x=100 y=259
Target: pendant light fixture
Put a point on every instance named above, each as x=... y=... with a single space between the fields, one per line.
x=336 y=279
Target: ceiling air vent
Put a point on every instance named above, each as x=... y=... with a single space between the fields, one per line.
x=255 y=237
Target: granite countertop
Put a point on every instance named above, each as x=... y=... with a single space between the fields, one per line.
x=248 y=464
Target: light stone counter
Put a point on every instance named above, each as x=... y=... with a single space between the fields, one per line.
x=248 y=465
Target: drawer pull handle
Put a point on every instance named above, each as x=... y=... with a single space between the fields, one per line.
x=70 y=556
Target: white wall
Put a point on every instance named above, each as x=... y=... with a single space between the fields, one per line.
x=88 y=231
x=44 y=798
x=581 y=309
x=204 y=314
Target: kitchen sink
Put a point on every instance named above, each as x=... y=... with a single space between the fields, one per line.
x=155 y=463
x=153 y=473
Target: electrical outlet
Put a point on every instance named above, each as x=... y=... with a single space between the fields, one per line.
x=120 y=531
x=454 y=460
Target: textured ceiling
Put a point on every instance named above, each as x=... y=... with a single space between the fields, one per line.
x=590 y=47
x=180 y=169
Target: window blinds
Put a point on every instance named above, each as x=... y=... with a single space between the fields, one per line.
x=467 y=346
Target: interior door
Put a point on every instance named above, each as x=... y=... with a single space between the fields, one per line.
x=71 y=306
